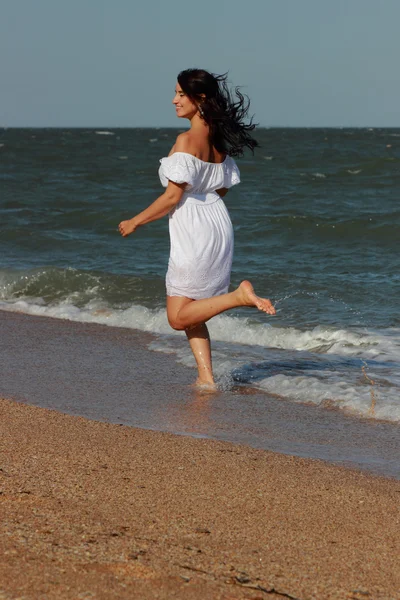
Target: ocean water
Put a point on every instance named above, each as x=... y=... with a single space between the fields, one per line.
x=317 y=229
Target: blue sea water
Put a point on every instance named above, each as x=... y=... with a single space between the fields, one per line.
x=317 y=229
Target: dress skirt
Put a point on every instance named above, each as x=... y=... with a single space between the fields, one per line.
x=201 y=236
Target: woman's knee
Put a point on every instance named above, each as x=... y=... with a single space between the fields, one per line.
x=175 y=323
x=174 y=306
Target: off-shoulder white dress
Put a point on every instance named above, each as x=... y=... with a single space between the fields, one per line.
x=200 y=228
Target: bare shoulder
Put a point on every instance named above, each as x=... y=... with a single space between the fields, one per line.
x=193 y=143
x=184 y=142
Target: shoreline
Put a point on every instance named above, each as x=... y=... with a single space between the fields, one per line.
x=114 y=375
x=99 y=510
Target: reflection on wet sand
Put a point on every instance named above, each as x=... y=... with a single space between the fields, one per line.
x=195 y=413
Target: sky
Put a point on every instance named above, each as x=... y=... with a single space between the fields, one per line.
x=114 y=63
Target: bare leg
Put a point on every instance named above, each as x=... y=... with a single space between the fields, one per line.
x=199 y=341
x=184 y=312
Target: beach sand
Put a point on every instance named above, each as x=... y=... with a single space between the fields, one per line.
x=97 y=510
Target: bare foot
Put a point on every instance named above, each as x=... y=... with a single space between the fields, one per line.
x=206 y=385
x=248 y=297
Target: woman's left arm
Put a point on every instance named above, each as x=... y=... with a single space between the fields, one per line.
x=158 y=209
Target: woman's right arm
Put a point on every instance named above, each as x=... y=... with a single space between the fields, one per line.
x=158 y=209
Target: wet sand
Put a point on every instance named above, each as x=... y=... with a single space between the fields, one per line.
x=98 y=510
x=111 y=374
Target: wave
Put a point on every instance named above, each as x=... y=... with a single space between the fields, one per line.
x=52 y=285
x=364 y=400
x=361 y=343
x=353 y=369
x=122 y=300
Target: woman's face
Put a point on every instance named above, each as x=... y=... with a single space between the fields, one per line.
x=184 y=107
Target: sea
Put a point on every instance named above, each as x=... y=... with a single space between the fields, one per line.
x=317 y=230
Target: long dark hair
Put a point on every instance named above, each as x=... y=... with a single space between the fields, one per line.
x=223 y=114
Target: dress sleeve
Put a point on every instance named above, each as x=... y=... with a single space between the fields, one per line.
x=232 y=173
x=179 y=168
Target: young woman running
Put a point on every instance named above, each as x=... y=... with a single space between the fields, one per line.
x=197 y=174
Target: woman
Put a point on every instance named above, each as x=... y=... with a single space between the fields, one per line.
x=197 y=174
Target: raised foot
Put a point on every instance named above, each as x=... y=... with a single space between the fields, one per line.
x=248 y=297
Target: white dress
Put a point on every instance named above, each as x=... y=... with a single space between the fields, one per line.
x=200 y=228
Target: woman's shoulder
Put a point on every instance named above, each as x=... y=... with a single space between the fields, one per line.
x=181 y=152
x=197 y=148
x=184 y=143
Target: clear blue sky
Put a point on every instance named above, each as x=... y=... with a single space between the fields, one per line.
x=114 y=62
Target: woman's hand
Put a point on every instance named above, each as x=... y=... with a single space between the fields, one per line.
x=127 y=227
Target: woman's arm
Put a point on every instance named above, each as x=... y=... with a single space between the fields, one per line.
x=158 y=209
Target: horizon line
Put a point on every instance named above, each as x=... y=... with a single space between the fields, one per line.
x=107 y=127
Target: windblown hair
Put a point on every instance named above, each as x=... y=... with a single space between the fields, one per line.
x=223 y=113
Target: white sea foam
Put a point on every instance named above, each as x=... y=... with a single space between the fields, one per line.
x=225 y=328
x=356 y=343
x=105 y=132
x=350 y=387
x=355 y=390
x=365 y=400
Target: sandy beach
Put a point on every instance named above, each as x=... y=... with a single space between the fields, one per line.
x=97 y=510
